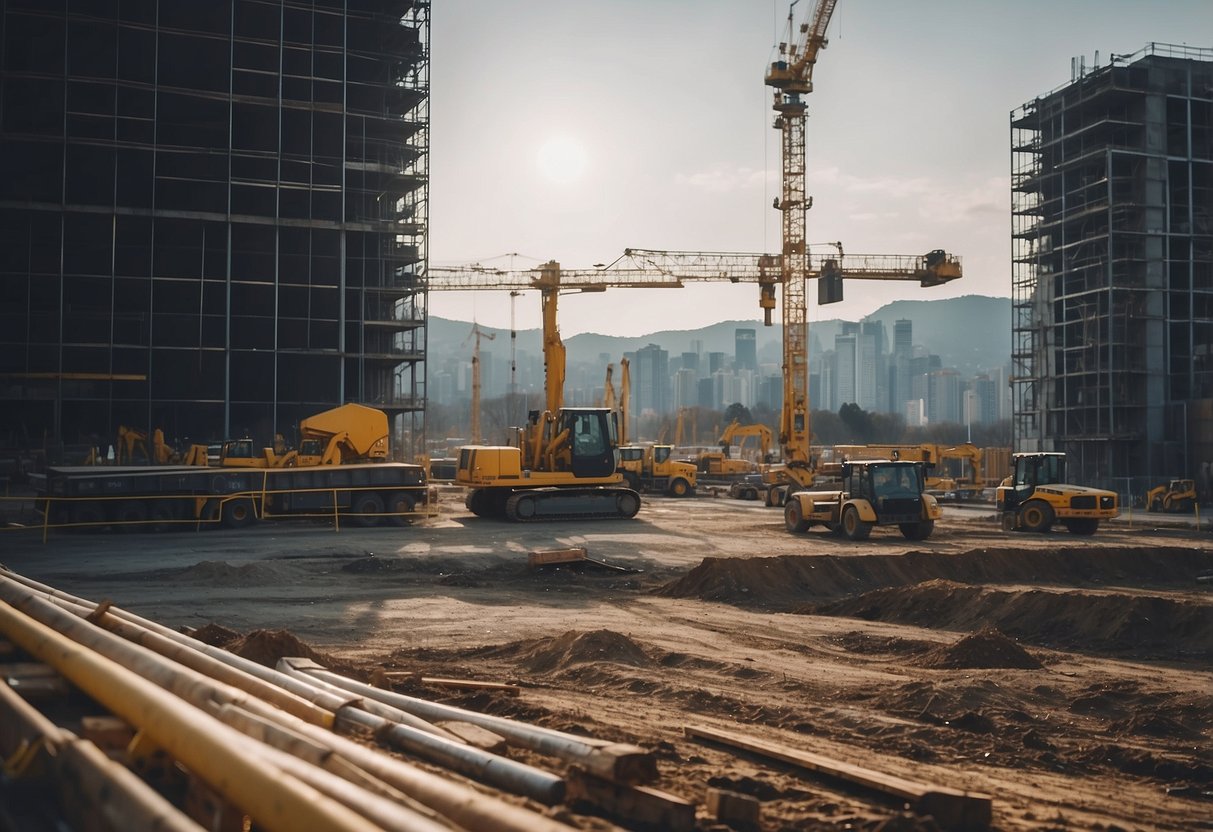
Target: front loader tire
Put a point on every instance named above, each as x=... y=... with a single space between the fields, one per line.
x=793 y=517
x=852 y=526
x=1036 y=516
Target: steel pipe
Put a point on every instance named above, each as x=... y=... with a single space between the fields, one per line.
x=229 y=762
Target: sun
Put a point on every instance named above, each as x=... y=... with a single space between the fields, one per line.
x=561 y=160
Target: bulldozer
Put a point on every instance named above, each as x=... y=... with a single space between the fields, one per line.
x=346 y=434
x=1036 y=495
x=1175 y=496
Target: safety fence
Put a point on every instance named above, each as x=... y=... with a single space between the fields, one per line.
x=357 y=506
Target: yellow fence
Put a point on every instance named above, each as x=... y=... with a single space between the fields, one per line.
x=81 y=513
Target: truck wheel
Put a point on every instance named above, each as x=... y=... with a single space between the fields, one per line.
x=1036 y=516
x=131 y=517
x=238 y=513
x=853 y=527
x=793 y=517
x=917 y=531
x=365 y=509
x=679 y=487
x=399 y=505
x=1083 y=526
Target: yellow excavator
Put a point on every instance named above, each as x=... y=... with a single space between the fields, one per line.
x=723 y=463
x=1175 y=496
x=564 y=461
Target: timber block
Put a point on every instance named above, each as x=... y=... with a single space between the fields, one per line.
x=551 y=557
x=734 y=808
x=641 y=807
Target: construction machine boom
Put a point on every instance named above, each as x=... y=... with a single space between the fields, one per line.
x=565 y=460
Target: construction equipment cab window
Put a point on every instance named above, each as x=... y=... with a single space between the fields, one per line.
x=591 y=437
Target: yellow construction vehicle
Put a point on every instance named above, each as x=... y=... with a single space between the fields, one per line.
x=129 y=441
x=1036 y=495
x=877 y=492
x=724 y=463
x=350 y=433
x=564 y=463
x=1175 y=496
x=653 y=468
x=346 y=434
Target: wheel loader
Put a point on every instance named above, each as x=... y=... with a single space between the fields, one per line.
x=876 y=492
x=1036 y=495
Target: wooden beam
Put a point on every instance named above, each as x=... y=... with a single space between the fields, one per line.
x=554 y=556
x=641 y=806
x=953 y=809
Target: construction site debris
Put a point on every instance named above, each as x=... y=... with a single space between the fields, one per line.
x=951 y=808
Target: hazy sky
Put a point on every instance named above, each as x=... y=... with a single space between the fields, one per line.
x=572 y=129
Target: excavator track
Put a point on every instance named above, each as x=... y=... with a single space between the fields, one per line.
x=533 y=505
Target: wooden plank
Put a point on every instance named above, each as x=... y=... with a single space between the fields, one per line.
x=476 y=736
x=641 y=806
x=554 y=556
x=733 y=808
x=952 y=809
x=471 y=684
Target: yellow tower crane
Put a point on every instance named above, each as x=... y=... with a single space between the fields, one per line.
x=476 y=333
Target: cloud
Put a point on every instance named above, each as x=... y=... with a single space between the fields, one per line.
x=726 y=178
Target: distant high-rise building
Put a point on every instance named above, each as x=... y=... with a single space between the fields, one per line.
x=690 y=361
x=651 y=380
x=746 y=349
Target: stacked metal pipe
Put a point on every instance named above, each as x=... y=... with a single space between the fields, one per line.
x=265 y=740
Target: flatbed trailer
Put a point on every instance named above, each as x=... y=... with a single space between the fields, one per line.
x=141 y=498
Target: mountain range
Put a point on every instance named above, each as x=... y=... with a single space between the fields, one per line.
x=971 y=334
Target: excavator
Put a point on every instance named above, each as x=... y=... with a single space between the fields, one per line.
x=564 y=461
x=723 y=463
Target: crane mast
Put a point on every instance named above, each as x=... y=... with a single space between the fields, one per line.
x=791 y=77
x=476 y=333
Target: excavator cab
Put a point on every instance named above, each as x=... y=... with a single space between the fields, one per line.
x=592 y=441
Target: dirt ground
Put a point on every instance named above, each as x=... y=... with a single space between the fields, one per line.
x=1069 y=678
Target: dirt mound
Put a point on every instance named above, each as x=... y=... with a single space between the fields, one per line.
x=268 y=646
x=215 y=635
x=222 y=573
x=1113 y=622
x=575 y=647
x=986 y=648
x=782 y=583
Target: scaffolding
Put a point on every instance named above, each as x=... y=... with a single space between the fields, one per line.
x=213 y=215
x=1112 y=264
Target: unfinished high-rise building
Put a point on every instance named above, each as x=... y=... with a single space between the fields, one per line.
x=1112 y=269
x=212 y=215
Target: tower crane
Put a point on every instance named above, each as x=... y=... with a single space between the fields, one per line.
x=625 y=397
x=476 y=333
x=649 y=268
